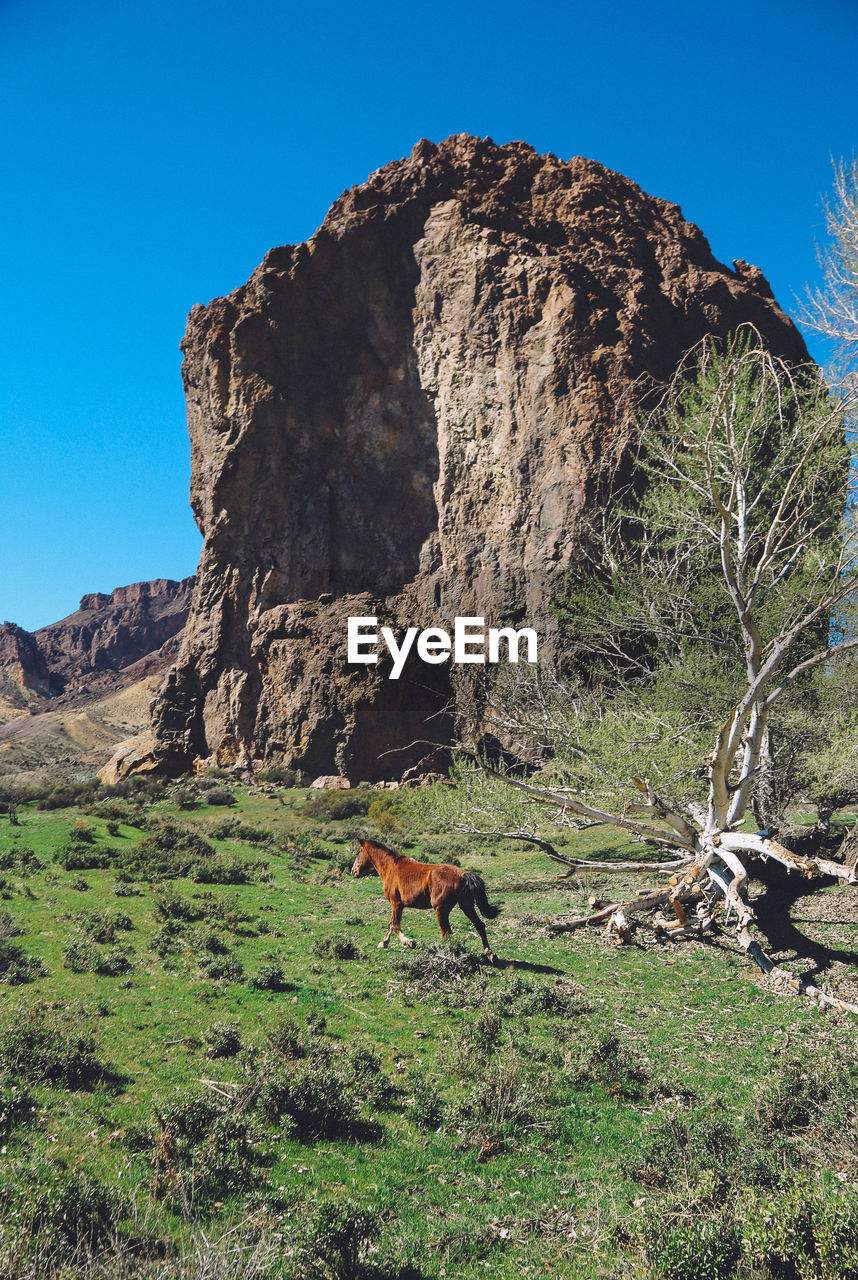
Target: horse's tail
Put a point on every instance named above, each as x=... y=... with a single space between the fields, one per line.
x=472 y=889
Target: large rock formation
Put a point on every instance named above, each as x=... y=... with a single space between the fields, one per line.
x=404 y=417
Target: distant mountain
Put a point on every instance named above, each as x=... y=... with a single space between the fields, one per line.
x=59 y=686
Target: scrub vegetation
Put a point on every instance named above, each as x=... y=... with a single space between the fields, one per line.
x=208 y=1069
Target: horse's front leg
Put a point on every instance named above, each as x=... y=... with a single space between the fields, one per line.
x=396 y=916
x=442 y=911
x=386 y=937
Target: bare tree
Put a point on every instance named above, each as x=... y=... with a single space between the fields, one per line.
x=714 y=589
x=832 y=309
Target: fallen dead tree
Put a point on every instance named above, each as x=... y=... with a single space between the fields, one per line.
x=713 y=874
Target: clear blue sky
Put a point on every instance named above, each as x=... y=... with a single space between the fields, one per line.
x=152 y=153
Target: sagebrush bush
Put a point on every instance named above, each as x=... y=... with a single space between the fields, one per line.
x=219 y=796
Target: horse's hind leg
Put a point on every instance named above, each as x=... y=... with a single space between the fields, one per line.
x=471 y=913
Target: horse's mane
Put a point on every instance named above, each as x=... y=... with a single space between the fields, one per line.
x=376 y=844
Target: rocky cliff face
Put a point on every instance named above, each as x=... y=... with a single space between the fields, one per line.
x=109 y=642
x=404 y=417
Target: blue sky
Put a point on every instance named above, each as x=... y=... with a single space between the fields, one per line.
x=152 y=153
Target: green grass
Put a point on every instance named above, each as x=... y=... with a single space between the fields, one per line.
x=510 y=1136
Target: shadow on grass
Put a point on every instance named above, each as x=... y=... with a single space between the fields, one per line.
x=775 y=922
x=526 y=966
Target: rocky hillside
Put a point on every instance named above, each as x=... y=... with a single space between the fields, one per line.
x=405 y=417
x=109 y=642
x=54 y=682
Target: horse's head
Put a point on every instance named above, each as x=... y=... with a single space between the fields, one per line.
x=362 y=865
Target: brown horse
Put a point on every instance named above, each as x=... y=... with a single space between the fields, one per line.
x=407 y=883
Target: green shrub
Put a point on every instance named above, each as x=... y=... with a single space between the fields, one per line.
x=219 y=796
x=338 y=947
x=235 y=829
x=269 y=977
x=9 y=928
x=335 y=806
x=21 y=859
x=229 y=871
x=800 y=1096
x=278 y=775
x=363 y=1068
x=224 y=968
x=117 y=961
x=17 y=966
x=123 y=887
x=425 y=1106
x=97 y=927
x=332 y=1243
x=169 y=850
x=168 y=940
x=48 y=1049
x=223 y=1040
x=84 y=857
x=285 y=1039
x=80 y=955
x=17 y=1105
x=384 y=812
x=309 y=1101
x=74 y=1211
x=616 y=1068
x=201 y=1149
x=67 y=794
x=185 y=798
x=700 y=1249
x=170 y=905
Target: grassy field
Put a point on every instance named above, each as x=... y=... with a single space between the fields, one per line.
x=208 y=1068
